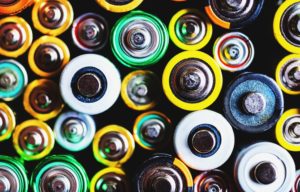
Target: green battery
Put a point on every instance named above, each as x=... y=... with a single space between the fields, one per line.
x=13 y=176
x=139 y=39
x=59 y=173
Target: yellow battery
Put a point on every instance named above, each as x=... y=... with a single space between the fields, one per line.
x=113 y=6
x=97 y=178
x=33 y=139
x=282 y=17
x=52 y=17
x=14 y=7
x=8 y=121
x=42 y=99
x=287 y=130
x=189 y=29
x=15 y=36
x=192 y=81
x=287 y=74
x=185 y=170
x=138 y=90
x=48 y=55
x=152 y=130
x=113 y=145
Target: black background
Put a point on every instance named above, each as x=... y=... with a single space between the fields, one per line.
x=267 y=55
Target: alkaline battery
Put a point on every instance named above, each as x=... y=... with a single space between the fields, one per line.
x=90 y=84
x=113 y=145
x=204 y=140
x=285 y=25
x=59 y=173
x=13 y=79
x=74 y=131
x=33 y=139
x=287 y=130
x=253 y=103
x=12 y=7
x=13 y=176
x=90 y=32
x=233 y=14
x=213 y=181
x=288 y=74
x=47 y=56
x=52 y=17
x=189 y=29
x=152 y=130
x=119 y=6
x=110 y=179
x=296 y=186
x=7 y=122
x=42 y=99
x=140 y=90
x=139 y=39
x=192 y=80
x=15 y=36
x=162 y=172
x=264 y=166
x=233 y=51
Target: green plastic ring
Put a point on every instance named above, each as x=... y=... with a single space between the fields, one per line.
x=139 y=62
x=64 y=161
x=17 y=168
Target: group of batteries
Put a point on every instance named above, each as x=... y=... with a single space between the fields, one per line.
x=192 y=80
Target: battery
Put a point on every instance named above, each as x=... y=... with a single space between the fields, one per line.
x=139 y=39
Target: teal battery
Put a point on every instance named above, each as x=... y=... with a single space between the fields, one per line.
x=13 y=176
x=74 y=131
x=13 y=79
x=59 y=173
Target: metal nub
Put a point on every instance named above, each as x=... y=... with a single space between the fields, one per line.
x=212 y=181
x=190 y=29
x=162 y=178
x=140 y=88
x=111 y=182
x=265 y=173
x=234 y=10
x=89 y=84
x=203 y=141
x=3 y=123
x=59 y=179
x=192 y=80
x=74 y=130
x=49 y=57
x=90 y=32
x=290 y=24
x=113 y=145
x=140 y=38
x=52 y=14
x=33 y=140
x=8 y=80
x=235 y=50
x=153 y=131
x=291 y=130
x=254 y=103
x=9 y=181
x=42 y=99
x=12 y=36
x=290 y=75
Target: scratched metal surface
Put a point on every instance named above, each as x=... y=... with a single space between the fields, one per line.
x=267 y=54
